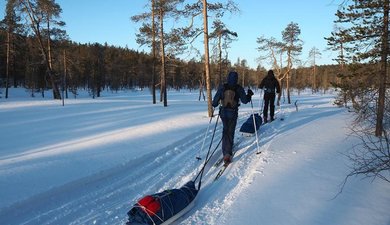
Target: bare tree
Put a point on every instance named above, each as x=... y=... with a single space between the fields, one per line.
x=273 y=50
x=371 y=156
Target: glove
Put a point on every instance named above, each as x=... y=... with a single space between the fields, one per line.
x=250 y=92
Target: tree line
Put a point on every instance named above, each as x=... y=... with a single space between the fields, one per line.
x=37 y=54
x=96 y=67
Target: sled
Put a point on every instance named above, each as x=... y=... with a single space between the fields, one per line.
x=163 y=208
x=180 y=214
x=248 y=128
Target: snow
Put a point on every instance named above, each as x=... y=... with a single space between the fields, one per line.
x=89 y=161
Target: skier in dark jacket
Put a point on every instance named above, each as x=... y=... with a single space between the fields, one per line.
x=228 y=96
x=270 y=85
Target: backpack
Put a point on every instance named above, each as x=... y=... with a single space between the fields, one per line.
x=229 y=99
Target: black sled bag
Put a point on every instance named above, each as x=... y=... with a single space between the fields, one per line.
x=248 y=126
x=160 y=207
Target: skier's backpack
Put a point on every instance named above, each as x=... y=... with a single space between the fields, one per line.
x=229 y=99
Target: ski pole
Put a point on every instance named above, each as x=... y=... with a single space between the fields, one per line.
x=205 y=136
x=262 y=102
x=200 y=174
x=212 y=138
x=281 y=112
x=254 y=124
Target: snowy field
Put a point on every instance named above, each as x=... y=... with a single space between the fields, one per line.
x=89 y=161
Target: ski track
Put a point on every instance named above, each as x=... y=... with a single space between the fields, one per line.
x=211 y=207
x=109 y=203
x=91 y=201
x=99 y=203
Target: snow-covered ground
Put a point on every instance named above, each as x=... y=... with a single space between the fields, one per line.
x=89 y=161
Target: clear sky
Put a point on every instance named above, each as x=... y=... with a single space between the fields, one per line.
x=89 y=21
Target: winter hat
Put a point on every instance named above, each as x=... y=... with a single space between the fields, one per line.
x=232 y=78
x=271 y=73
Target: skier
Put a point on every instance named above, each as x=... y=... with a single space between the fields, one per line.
x=270 y=85
x=228 y=96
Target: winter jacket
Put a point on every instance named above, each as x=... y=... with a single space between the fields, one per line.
x=232 y=82
x=230 y=113
x=270 y=83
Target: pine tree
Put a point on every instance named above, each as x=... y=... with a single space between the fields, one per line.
x=11 y=23
x=366 y=40
x=42 y=16
x=205 y=8
x=161 y=10
x=293 y=48
x=314 y=54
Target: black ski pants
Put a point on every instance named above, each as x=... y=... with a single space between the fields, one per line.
x=269 y=102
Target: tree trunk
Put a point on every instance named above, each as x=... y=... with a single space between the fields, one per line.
x=281 y=84
x=163 y=73
x=288 y=88
x=64 y=83
x=7 y=66
x=383 y=71
x=220 y=58
x=289 y=67
x=207 y=58
x=154 y=53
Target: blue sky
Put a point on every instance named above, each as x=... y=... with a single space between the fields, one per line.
x=89 y=21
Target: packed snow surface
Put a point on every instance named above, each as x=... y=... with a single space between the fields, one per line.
x=88 y=162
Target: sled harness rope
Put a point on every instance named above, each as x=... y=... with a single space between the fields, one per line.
x=205 y=135
x=208 y=155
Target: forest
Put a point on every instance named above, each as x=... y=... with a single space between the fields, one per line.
x=41 y=57
x=96 y=67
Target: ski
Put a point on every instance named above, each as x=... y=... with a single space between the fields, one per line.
x=225 y=165
x=221 y=159
x=220 y=172
x=218 y=162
